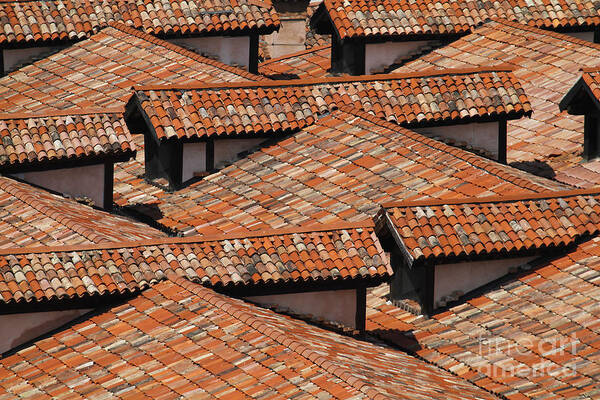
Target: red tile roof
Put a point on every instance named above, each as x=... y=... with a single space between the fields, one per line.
x=547 y=64
x=37 y=21
x=405 y=18
x=535 y=335
x=33 y=217
x=100 y=71
x=284 y=106
x=83 y=134
x=311 y=63
x=464 y=228
x=179 y=339
x=275 y=258
x=341 y=167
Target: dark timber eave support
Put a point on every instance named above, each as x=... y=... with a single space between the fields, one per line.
x=590 y=137
x=502 y=132
x=361 y=309
x=429 y=289
x=253 y=59
x=109 y=169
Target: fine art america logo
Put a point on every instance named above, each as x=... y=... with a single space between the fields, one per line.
x=502 y=357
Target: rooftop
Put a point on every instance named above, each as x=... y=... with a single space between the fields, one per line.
x=179 y=339
x=41 y=21
x=309 y=63
x=497 y=226
x=100 y=71
x=547 y=64
x=341 y=167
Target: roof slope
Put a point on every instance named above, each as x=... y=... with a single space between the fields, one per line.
x=494 y=225
x=341 y=167
x=179 y=339
x=34 y=217
x=309 y=255
x=310 y=63
x=371 y=18
x=536 y=335
x=100 y=71
x=38 y=21
x=33 y=139
x=286 y=106
x=547 y=64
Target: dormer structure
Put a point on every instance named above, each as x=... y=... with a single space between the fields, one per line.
x=374 y=36
x=223 y=29
x=72 y=153
x=584 y=99
x=444 y=249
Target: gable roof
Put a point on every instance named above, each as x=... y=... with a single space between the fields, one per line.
x=100 y=71
x=341 y=167
x=285 y=258
x=31 y=216
x=310 y=63
x=451 y=96
x=182 y=340
x=532 y=335
x=547 y=64
x=82 y=135
x=589 y=87
x=40 y=21
x=406 y=18
x=492 y=226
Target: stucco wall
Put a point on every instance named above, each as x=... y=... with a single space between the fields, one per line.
x=77 y=182
x=332 y=305
x=479 y=135
x=467 y=276
x=194 y=159
x=16 y=329
x=589 y=36
x=229 y=49
x=384 y=54
x=289 y=39
x=226 y=150
x=13 y=57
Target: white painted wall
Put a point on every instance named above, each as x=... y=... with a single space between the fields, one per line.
x=16 y=329
x=13 y=57
x=229 y=49
x=332 y=305
x=76 y=182
x=226 y=150
x=588 y=36
x=479 y=135
x=194 y=159
x=384 y=54
x=467 y=276
x=289 y=39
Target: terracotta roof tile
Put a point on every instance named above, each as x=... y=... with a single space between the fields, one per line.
x=34 y=217
x=341 y=167
x=362 y=18
x=312 y=254
x=311 y=63
x=34 y=139
x=492 y=226
x=284 y=106
x=547 y=64
x=179 y=339
x=532 y=336
x=100 y=71
x=36 y=21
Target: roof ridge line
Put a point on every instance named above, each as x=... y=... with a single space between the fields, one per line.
x=61 y=113
x=302 y=229
x=468 y=157
x=541 y=31
x=494 y=199
x=183 y=51
x=276 y=334
x=430 y=72
x=291 y=55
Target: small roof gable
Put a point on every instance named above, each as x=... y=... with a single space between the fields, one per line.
x=417 y=99
x=180 y=339
x=82 y=136
x=42 y=21
x=584 y=96
x=449 y=231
